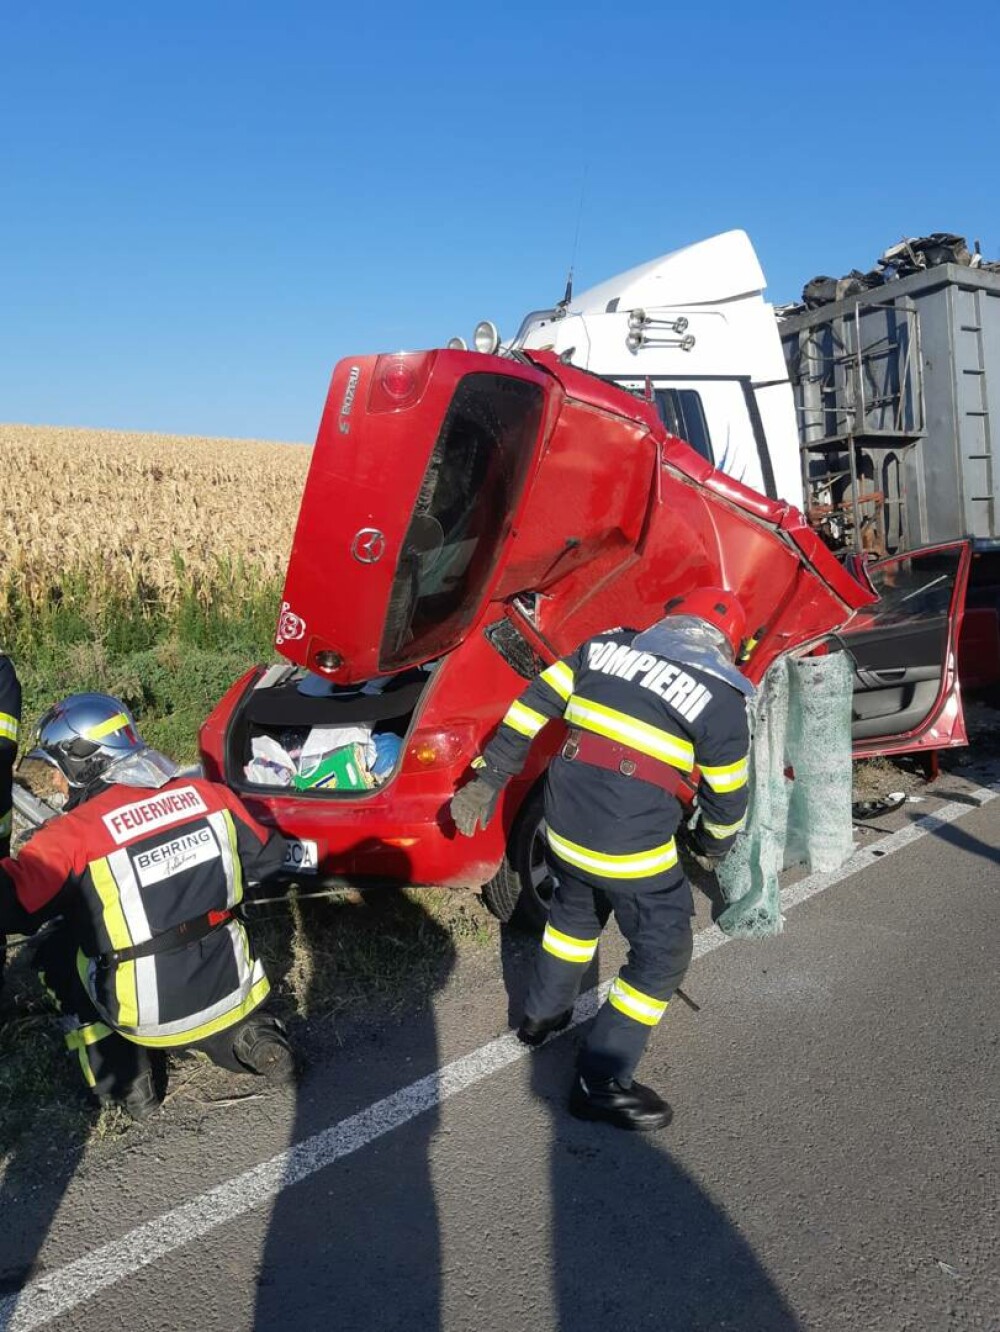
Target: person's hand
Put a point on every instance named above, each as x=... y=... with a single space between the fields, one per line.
x=473 y=806
x=699 y=853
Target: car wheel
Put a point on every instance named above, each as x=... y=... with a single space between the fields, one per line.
x=520 y=892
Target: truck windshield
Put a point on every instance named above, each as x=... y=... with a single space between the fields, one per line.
x=462 y=513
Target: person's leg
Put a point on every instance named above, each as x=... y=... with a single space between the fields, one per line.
x=113 y=1068
x=568 y=946
x=257 y=1044
x=657 y=925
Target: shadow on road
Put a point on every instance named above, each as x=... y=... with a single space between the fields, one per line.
x=955 y=835
x=359 y=1246
x=636 y=1242
x=40 y=1158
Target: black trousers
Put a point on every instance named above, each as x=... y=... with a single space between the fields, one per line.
x=656 y=921
x=111 y=1064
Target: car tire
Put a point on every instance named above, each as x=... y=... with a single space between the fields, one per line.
x=521 y=890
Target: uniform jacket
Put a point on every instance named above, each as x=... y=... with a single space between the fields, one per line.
x=10 y=719
x=132 y=863
x=603 y=825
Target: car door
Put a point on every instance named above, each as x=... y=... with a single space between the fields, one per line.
x=905 y=653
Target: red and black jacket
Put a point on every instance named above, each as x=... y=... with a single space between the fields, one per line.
x=133 y=871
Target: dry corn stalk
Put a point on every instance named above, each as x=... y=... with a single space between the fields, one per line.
x=143 y=516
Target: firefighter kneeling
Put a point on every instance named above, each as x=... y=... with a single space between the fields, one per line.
x=146 y=871
x=643 y=709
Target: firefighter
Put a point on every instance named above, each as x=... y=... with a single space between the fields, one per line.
x=643 y=709
x=145 y=872
x=10 y=723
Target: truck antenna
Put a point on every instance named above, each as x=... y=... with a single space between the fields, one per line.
x=576 y=239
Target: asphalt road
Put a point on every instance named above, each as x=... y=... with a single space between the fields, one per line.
x=832 y=1163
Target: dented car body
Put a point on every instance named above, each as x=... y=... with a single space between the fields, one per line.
x=467 y=519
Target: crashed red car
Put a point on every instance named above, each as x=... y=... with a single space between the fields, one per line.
x=466 y=519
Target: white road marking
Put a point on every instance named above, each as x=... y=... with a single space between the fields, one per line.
x=56 y=1293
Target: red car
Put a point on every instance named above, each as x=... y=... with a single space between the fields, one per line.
x=466 y=520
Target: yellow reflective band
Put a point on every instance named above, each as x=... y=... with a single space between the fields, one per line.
x=257 y=995
x=88 y=1035
x=636 y=1005
x=116 y=723
x=81 y=1051
x=639 y=865
x=567 y=948
x=559 y=677
x=478 y=762
x=524 y=719
x=672 y=749
x=111 y=904
x=235 y=851
x=8 y=727
x=723 y=829
x=730 y=777
x=245 y=940
x=126 y=992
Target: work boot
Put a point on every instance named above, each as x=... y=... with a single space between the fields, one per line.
x=533 y=1031
x=141 y=1100
x=262 y=1047
x=635 y=1107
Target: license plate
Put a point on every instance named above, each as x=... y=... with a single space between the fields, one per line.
x=301 y=857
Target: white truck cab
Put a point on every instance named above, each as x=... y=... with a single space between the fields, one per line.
x=694 y=325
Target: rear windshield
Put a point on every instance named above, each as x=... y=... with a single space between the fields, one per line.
x=463 y=512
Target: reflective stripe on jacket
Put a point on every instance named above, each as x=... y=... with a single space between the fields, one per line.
x=10 y=721
x=608 y=826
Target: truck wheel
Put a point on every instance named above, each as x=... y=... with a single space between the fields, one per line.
x=521 y=890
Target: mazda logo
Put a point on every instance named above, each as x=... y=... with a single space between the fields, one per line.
x=368 y=545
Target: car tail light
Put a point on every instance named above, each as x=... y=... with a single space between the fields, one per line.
x=399 y=381
x=436 y=749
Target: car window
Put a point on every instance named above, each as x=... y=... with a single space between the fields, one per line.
x=917 y=587
x=682 y=413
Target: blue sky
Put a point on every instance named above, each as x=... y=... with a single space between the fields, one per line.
x=203 y=206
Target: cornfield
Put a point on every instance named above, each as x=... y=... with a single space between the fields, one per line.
x=140 y=519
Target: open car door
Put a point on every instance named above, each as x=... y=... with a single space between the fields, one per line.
x=905 y=653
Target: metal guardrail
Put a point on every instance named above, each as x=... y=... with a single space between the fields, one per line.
x=30 y=808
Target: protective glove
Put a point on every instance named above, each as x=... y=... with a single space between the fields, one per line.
x=474 y=805
x=699 y=852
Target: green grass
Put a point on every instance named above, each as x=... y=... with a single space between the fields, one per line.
x=378 y=953
x=170 y=661
x=372 y=956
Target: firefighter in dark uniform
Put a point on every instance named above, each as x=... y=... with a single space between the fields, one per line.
x=145 y=871
x=644 y=710
x=10 y=724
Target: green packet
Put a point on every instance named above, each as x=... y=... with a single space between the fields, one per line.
x=343 y=770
